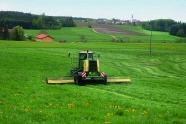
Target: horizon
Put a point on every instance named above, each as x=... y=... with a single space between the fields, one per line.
x=121 y=9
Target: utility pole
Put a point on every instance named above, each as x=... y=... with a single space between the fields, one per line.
x=151 y=42
x=151 y=39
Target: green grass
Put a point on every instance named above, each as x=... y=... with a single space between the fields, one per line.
x=156 y=94
x=157 y=37
x=73 y=34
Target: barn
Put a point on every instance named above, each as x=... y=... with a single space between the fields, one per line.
x=44 y=38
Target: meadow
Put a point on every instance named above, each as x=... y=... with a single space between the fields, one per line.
x=156 y=94
x=160 y=37
x=74 y=34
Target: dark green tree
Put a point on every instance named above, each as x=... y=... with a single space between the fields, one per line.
x=174 y=29
x=68 y=22
x=5 y=33
x=180 y=33
x=52 y=23
x=178 y=29
x=159 y=25
x=31 y=21
x=1 y=29
x=39 y=22
x=17 y=33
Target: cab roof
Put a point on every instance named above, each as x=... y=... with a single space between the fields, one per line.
x=86 y=51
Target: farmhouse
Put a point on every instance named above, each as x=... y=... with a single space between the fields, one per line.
x=44 y=38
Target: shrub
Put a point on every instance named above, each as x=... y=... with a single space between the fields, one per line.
x=18 y=34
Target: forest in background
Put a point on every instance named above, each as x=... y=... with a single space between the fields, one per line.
x=11 y=19
x=166 y=25
x=31 y=21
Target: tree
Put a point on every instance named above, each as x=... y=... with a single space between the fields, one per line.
x=1 y=29
x=52 y=23
x=30 y=21
x=174 y=29
x=178 y=30
x=180 y=33
x=18 y=33
x=5 y=33
x=39 y=22
x=159 y=25
x=68 y=22
x=89 y=25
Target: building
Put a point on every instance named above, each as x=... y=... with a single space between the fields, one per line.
x=44 y=38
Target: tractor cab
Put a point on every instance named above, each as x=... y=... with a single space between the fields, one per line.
x=86 y=59
x=88 y=69
x=83 y=55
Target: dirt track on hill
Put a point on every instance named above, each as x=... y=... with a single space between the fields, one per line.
x=110 y=29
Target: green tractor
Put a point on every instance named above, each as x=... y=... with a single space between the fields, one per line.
x=88 y=70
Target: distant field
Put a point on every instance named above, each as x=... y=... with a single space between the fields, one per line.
x=74 y=34
x=156 y=95
x=113 y=29
x=160 y=37
x=105 y=33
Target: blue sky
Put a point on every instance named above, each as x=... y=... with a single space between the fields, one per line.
x=120 y=9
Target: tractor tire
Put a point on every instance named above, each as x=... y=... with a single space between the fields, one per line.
x=78 y=79
x=105 y=81
x=75 y=79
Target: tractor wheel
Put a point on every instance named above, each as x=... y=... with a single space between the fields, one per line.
x=78 y=79
x=105 y=80
x=75 y=79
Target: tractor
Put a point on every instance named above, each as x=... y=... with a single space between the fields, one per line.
x=87 y=71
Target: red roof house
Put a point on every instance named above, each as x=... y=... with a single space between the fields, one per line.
x=44 y=38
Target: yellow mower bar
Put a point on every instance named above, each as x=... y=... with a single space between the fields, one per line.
x=118 y=80
x=59 y=81
x=70 y=81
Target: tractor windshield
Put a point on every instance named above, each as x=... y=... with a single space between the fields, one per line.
x=84 y=56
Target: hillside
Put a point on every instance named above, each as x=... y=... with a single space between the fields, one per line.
x=74 y=34
x=156 y=94
x=100 y=33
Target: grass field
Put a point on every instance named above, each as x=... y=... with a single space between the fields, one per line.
x=156 y=95
x=74 y=34
x=157 y=37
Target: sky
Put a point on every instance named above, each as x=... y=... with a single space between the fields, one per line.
x=143 y=10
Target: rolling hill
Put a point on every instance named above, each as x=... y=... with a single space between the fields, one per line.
x=105 y=33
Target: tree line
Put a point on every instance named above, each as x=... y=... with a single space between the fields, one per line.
x=166 y=25
x=31 y=21
x=12 y=24
x=178 y=29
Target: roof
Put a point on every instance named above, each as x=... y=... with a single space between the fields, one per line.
x=42 y=36
x=86 y=51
